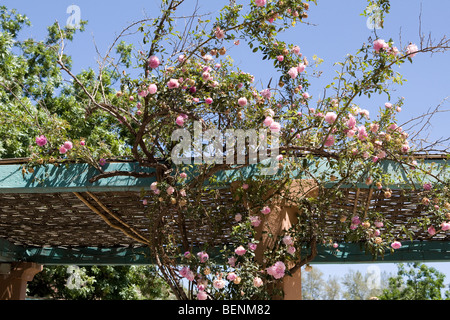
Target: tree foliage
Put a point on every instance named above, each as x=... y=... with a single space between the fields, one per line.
x=98 y=283
x=415 y=281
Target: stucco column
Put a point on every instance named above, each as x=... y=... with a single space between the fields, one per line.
x=282 y=216
x=13 y=285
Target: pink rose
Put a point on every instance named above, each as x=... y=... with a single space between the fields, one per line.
x=231 y=276
x=180 y=121
x=427 y=186
x=265 y=210
x=202 y=295
x=330 y=117
x=431 y=231
x=219 y=33
x=445 y=226
x=255 y=221
x=260 y=3
x=203 y=256
x=68 y=145
x=170 y=190
x=268 y=121
x=62 y=150
x=153 y=62
x=380 y=44
x=257 y=282
x=219 y=284
x=291 y=250
x=287 y=240
x=41 y=141
x=396 y=245
x=412 y=50
x=208 y=100
x=152 y=88
x=240 y=251
x=275 y=127
x=242 y=102
x=296 y=50
x=293 y=73
x=173 y=83
x=277 y=270
x=301 y=67
x=232 y=261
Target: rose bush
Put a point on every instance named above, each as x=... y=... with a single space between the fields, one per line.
x=197 y=84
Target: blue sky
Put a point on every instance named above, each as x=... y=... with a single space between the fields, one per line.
x=338 y=29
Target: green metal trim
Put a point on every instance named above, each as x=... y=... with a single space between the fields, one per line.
x=74 y=177
x=10 y=252
x=426 y=251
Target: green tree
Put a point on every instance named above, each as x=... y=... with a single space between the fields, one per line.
x=98 y=283
x=415 y=281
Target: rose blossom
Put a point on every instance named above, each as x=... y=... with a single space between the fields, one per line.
x=255 y=221
x=275 y=127
x=219 y=33
x=287 y=240
x=173 y=83
x=277 y=270
x=432 y=231
x=153 y=62
x=291 y=250
x=396 y=245
x=41 y=141
x=170 y=190
x=219 y=284
x=242 y=102
x=293 y=73
x=203 y=256
x=445 y=226
x=265 y=210
x=152 y=88
x=231 y=276
x=427 y=186
x=208 y=100
x=260 y=3
x=232 y=261
x=411 y=50
x=202 y=295
x=240 y=251
x=301 y=67
x=180 y=121
x=257 y=282
x=268 y=121
x=330 y=117
x=380 y=44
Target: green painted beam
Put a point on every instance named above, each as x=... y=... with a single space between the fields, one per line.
x=425 y=251
x=10 y=252
x=74 y=177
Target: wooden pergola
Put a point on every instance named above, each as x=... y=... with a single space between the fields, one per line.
x=56 y=216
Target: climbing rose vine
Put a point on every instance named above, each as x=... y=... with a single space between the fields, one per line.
x=188 y=81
